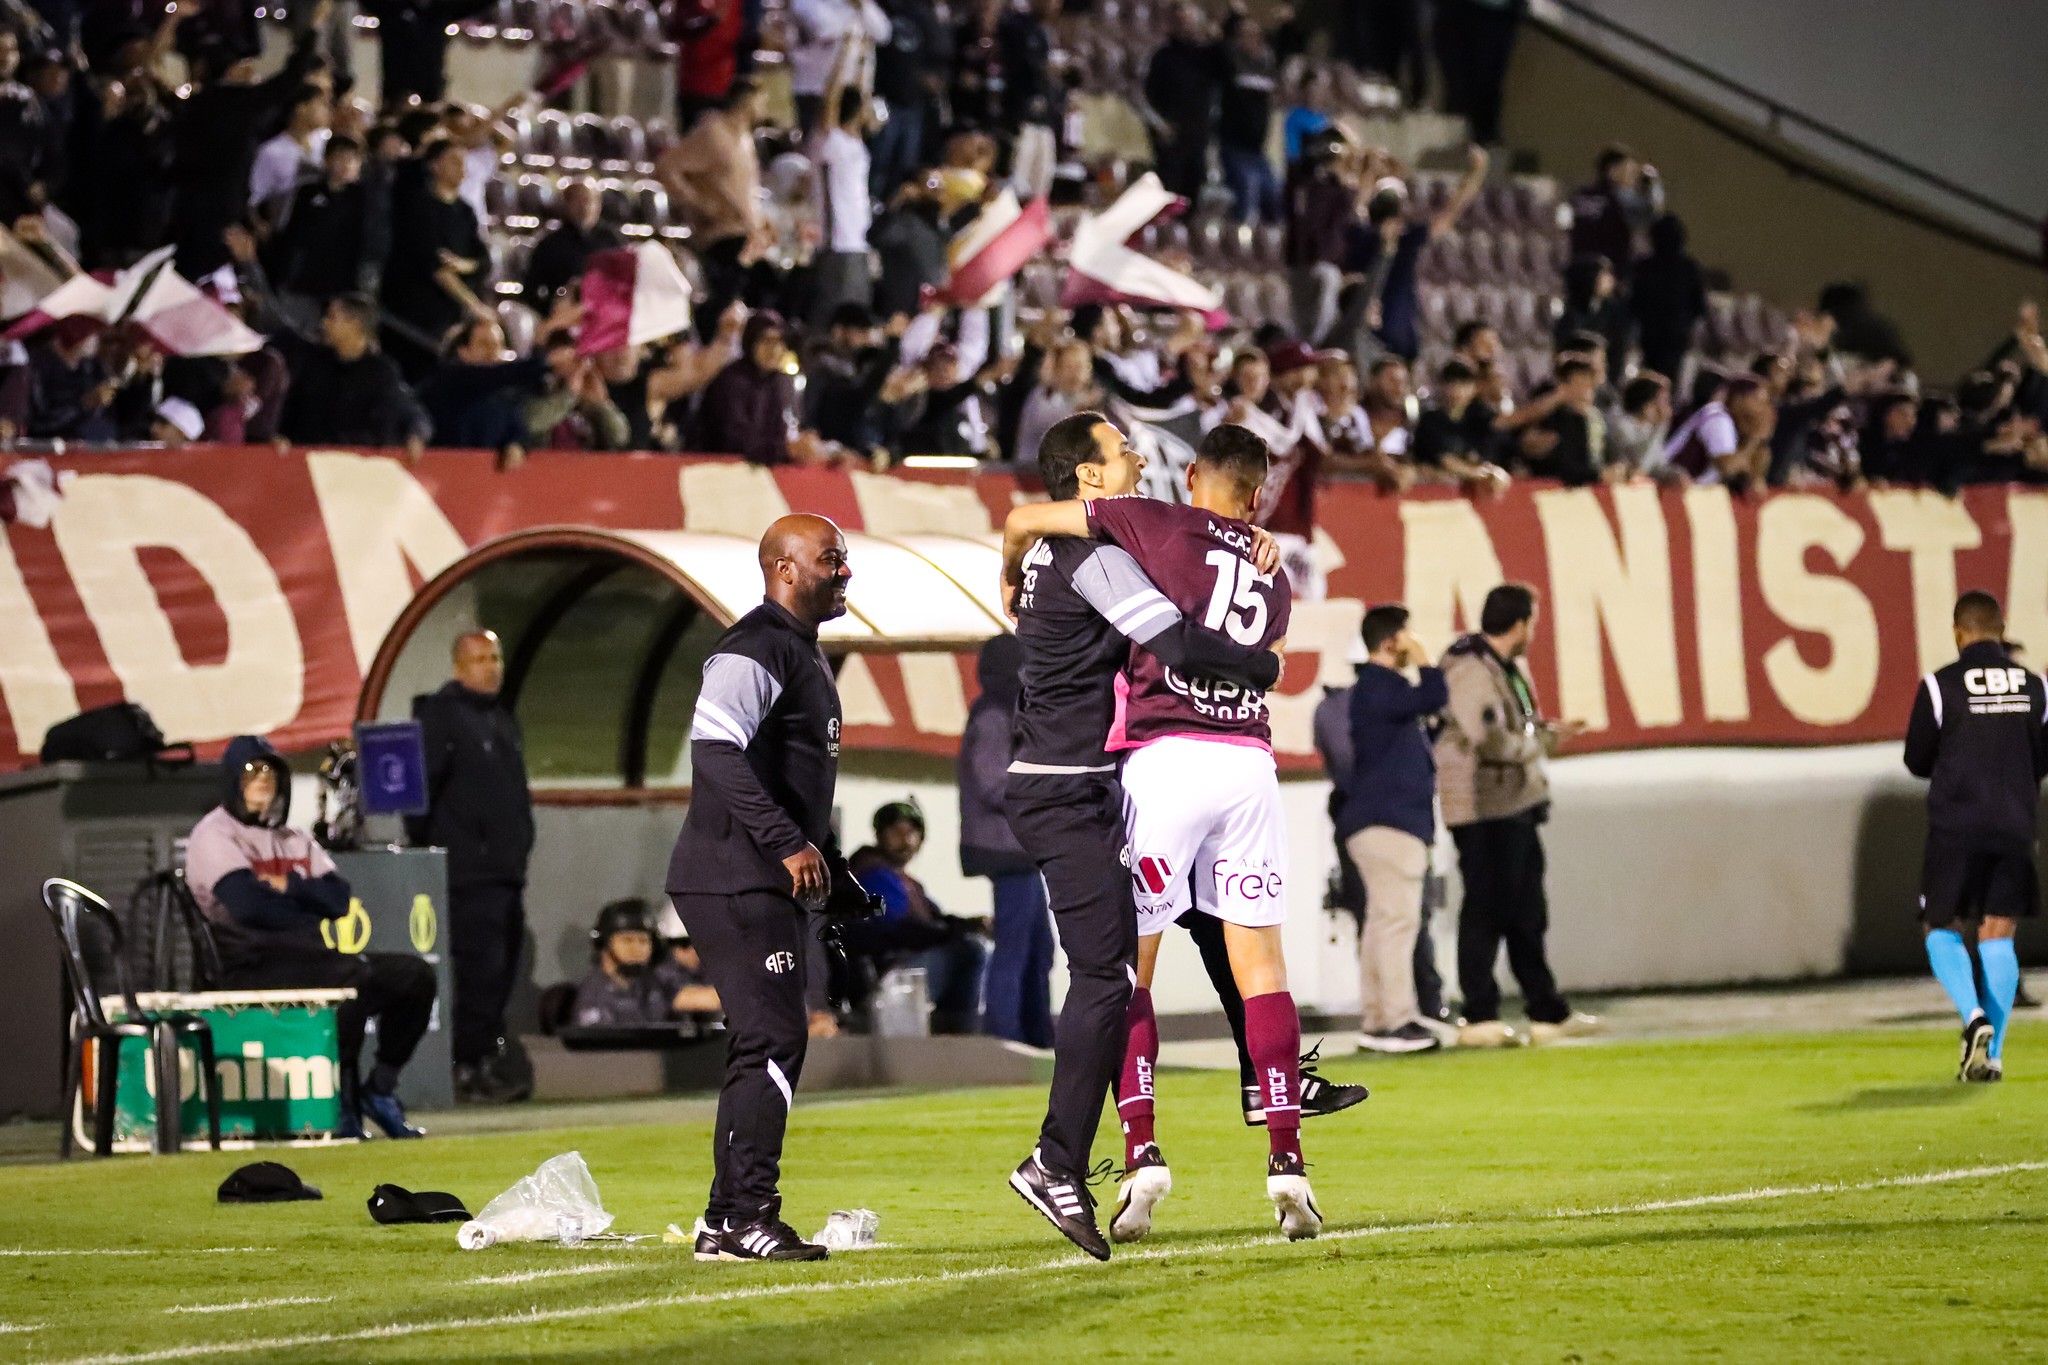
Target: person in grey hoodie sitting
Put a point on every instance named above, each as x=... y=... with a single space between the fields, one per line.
x=267 y=891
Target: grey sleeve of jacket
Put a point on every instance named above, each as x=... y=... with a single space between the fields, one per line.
x=737 y=695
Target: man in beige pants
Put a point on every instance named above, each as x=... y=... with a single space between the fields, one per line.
x=1387 y=822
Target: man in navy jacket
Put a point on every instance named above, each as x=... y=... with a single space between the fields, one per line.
x=1388 y=821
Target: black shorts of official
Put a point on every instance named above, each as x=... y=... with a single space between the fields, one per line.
x=1964 y=881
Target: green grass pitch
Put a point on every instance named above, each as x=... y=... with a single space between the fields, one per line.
x=1745 y=1199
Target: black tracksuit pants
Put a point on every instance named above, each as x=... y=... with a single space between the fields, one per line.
x=754 y=947
x=487 y=926
x=1502 y=864
x=394 y=989
x=1072 y=826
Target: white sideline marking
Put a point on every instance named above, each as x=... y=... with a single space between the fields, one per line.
x=395 y=1330
x=7 y=1327
x=529 y=1276
x=247 y=1304
x=129 y=1251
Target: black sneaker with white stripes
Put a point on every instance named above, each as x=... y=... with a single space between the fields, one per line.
x=1976 y=1063
x=1318 y=1096
x=771 y=1239
x=707 y=1241
x=1066 y=1202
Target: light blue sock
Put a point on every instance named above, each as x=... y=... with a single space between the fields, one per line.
x=2001 y=982
x=1951 y=963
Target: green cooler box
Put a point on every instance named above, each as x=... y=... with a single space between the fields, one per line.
x=275 y=1055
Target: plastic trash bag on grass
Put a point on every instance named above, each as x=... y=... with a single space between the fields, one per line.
x=557 y=1203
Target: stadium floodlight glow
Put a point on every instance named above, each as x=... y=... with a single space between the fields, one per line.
x=941 y=462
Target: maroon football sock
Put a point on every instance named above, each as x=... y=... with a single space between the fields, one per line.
x=1272 y=1034
x=1134 y=1088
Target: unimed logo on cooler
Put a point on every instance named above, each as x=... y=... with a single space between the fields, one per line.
x=255 y=1075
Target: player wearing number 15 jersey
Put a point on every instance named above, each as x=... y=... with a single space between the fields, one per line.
x=1202 y=806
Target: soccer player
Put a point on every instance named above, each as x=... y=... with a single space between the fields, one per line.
x=1079 y=607
x=1201 y=795
x=1979 y=730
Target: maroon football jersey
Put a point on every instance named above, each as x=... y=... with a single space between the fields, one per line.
x=1203 y=564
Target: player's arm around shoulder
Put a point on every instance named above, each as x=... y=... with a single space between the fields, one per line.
x=1031 y=522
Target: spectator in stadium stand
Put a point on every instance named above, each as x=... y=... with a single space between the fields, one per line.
x=654 y=390
x=1860 y=330
x=1454 y=437
x=574 y=408
x=412 y=46
x=1385 y=37
x=1611 y=215
x=912 y=930
x=750 y=408
x=49 y=75
x=1490 y=760
x=910 y=77
x=1034 y=98
x=846 y=374
x=1017 y=996
x=123 y=208
x=560 y=256
x=71 y=392
x=1351 y=445
x=1477 y=343
x=1668 y=299
x=1387 y=247
x=1310 y=114
x=480 y=810
x=1807 y=397
x=976 y=94
x=1474 y=40
x=822 y=30
x=839 y=271
x=215 y=134
x=344 y=390
x=1636 y=436
x=1728 y=440
x=1182 y=82
x=1574 y=458
x=946 y=416
x=1894 y=456
x=1060 y=381
x=713 y=49
x=1592 y=305
x=476 y=397
x=437 y=260
x=1388 y=822
x=1387 y=402
x=713 y=177
x=267 y=890
x=1321 y=206
x=910 y=239
x=294 y=156
x=1246 y=100
x=333 y=240
x=25 y=149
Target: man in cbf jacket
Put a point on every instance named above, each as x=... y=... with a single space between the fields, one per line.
x=1979 y=731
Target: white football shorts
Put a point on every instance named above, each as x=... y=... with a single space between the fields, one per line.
x=1203 y=817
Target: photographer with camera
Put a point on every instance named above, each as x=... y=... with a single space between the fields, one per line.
x=754 y=858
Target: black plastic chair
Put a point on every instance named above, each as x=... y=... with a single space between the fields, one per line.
x=164 y=909
x=72 y=909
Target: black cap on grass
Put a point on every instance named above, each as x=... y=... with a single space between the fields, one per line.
x=396 y=1204
x=265 y=1182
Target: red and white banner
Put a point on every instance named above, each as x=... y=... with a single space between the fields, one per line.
x=233 y=590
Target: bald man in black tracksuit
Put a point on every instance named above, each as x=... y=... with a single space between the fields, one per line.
x=751 y=863
x=1979 y=732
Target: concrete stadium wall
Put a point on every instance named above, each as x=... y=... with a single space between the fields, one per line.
x=1668 y=868
x=1774 y=229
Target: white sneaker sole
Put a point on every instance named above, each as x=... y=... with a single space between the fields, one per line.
x=1397 y=1047
x=1295 y=1203
x=1136 y=1198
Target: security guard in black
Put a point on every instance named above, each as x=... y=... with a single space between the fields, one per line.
x=1979 y=732
x=749 y=866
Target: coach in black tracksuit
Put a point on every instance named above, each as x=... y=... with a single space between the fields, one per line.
x=1979 y=731
x=750 y=863
x=1065 y=804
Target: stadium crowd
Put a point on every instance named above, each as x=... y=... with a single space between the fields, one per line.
x=1385 y=323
